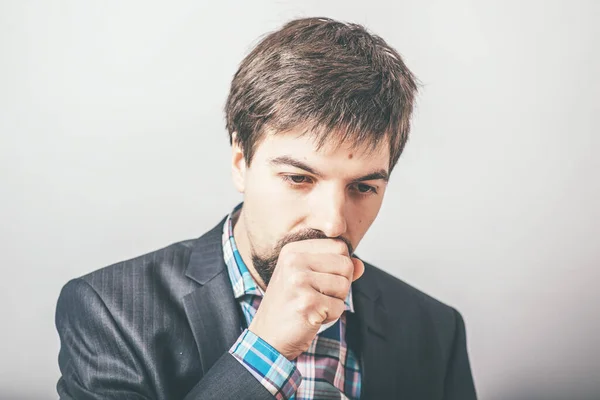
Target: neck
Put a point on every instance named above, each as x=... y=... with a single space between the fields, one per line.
x=242 y=241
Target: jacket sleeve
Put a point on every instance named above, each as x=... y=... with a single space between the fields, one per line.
x=459 y=380
x=229 y=380
x=97 y=361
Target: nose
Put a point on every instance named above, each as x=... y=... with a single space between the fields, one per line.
x=329 y=213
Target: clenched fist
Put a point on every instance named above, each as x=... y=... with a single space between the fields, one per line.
x=307 y=289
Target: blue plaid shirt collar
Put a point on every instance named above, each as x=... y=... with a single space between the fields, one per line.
x=242 y=281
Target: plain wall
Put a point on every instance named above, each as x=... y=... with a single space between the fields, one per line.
x=113 y=144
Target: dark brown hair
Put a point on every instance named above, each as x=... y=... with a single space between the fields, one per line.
x=331 y=79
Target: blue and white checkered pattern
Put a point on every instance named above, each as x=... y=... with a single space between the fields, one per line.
x=275 y=372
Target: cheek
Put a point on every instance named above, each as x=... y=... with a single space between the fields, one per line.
x=361 y=222
x=269 y=195
x=273 y=209
x=363 y=215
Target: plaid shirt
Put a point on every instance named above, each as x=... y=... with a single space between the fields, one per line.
x=327 y=370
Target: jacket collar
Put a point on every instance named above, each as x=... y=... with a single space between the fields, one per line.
x=206 y=260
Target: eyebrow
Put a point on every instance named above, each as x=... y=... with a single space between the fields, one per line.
x=289 y=161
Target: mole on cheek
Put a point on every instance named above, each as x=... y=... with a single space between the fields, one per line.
x=350 y=156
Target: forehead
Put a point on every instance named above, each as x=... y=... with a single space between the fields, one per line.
x=324 y=151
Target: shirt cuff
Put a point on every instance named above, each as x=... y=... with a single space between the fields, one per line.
x=275 y=372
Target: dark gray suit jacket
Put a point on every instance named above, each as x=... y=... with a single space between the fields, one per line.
x=160 y=326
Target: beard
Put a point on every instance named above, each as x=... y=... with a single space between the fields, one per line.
x=265 y=264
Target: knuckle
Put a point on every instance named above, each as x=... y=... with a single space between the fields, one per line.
x=340 y=247
x=298 y=278
x=343 y=288
x=305 y=304
x=347 y=266
x=345 y=284
x=287 y=249
x=290 y=258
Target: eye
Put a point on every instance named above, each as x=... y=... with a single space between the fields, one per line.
x=365 y=189
x=296 y=179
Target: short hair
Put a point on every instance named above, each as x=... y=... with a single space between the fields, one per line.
x=331 y=79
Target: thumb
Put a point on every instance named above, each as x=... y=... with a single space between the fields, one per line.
x=359 y=268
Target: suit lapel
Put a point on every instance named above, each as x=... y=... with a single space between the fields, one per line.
x=211 y=309
x=369 y=332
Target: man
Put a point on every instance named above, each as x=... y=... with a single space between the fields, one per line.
x=273 y=302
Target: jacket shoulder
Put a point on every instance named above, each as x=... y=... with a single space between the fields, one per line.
x=155 y=277
x=153 y=284
x=167 y=262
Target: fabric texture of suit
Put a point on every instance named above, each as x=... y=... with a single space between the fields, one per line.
x=159 y=327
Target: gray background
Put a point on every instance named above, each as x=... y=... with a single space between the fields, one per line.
x=113 y=144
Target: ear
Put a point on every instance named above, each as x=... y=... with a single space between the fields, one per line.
x=238 y=164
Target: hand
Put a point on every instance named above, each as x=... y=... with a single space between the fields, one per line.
x=307 y=289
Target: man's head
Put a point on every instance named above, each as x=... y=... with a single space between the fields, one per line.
x=318 y=115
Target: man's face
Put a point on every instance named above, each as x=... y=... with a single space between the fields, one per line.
x=294 y=191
